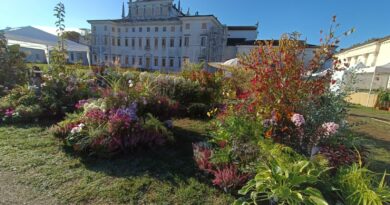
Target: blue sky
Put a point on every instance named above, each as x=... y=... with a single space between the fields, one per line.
x=370 y=18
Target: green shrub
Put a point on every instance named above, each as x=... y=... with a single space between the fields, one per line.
x=358 y=185
x=198 y=110
x=282 y=182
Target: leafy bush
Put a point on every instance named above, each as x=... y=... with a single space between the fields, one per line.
x=198 y=110
x=284 y=183
x=57 y=95
x=12 y=68
x=383 y=99
x=358 y=185
x=106 y=131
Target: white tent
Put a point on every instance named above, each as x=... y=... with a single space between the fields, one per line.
x=232 y=63
x=30 y=37
x=384 y=69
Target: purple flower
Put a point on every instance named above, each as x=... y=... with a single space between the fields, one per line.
x=330 y=128
x=269 y=123
x=130 y=111
x=298 y=120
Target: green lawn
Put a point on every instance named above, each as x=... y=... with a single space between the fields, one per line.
x=35 y=160
x=364 y=121
x=161 y=176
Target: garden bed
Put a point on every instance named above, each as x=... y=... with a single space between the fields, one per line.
x=161 y=176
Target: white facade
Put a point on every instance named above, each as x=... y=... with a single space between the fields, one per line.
x=157 y=35
x=363 y=60
x=371 y=54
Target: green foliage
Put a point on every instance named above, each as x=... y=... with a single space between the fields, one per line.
x=12 y=67
x=155 y=125
x=358 y=185
x=282 y=182
x=58 y=56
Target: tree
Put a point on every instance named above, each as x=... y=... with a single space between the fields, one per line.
x=72 y=36
x=12 y=66
x=59 y=55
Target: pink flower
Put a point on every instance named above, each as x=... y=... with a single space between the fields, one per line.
x=9 y=112
x=330 y=128
x=81 y=104
x=298 y=120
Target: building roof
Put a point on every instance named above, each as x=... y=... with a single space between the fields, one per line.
x=366 y=43
x=242 y=28
x=30 y=35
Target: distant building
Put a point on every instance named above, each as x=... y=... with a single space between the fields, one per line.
x=369 y=62
x=157 y=34
x=38 y=44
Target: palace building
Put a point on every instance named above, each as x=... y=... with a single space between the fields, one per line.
x=158 y=35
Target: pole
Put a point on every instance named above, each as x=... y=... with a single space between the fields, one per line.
x=372 y=82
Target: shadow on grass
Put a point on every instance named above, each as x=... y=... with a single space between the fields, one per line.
x=172 y=163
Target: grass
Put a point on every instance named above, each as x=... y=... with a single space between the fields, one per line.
x=376 y=134
x=161 y=176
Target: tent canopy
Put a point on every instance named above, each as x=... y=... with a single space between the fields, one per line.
x=31 y=37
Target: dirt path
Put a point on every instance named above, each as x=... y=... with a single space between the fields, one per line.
x=12 y=192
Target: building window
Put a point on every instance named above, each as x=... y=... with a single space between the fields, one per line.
x=204 y=25
x=95 y=58
x=171 y=62
x=172 y=43
x=127 y=42
x=164 y=29
x=133 y=30
x=187 y=41
x=133 y=60
x=93 y=28
x=164 y=62
x=186 y=60
x=156 y=29
x=119 y=30
x=155 y=43
x=106 y=58
x=133 y=42
x=71 y=56
x=119 y=41
x=105 y=28
x=164 y=42
x=140 y=61
x=140 y=29
x=113 y=29
x=180 y=42
x=188 y=26
x=148 y=29
x=140 y=42
x=148 y=43
x=127 y=30
x=113 y=41
x=173 y=29
x=105 y=40
x=203 y=41
x=127 y=60
x=156 y=61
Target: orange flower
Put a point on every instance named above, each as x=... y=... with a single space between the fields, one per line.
x=268 y=134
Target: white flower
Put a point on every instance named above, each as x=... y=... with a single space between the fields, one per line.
x=77 y=129
x=43 y=85
x=131 y=84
